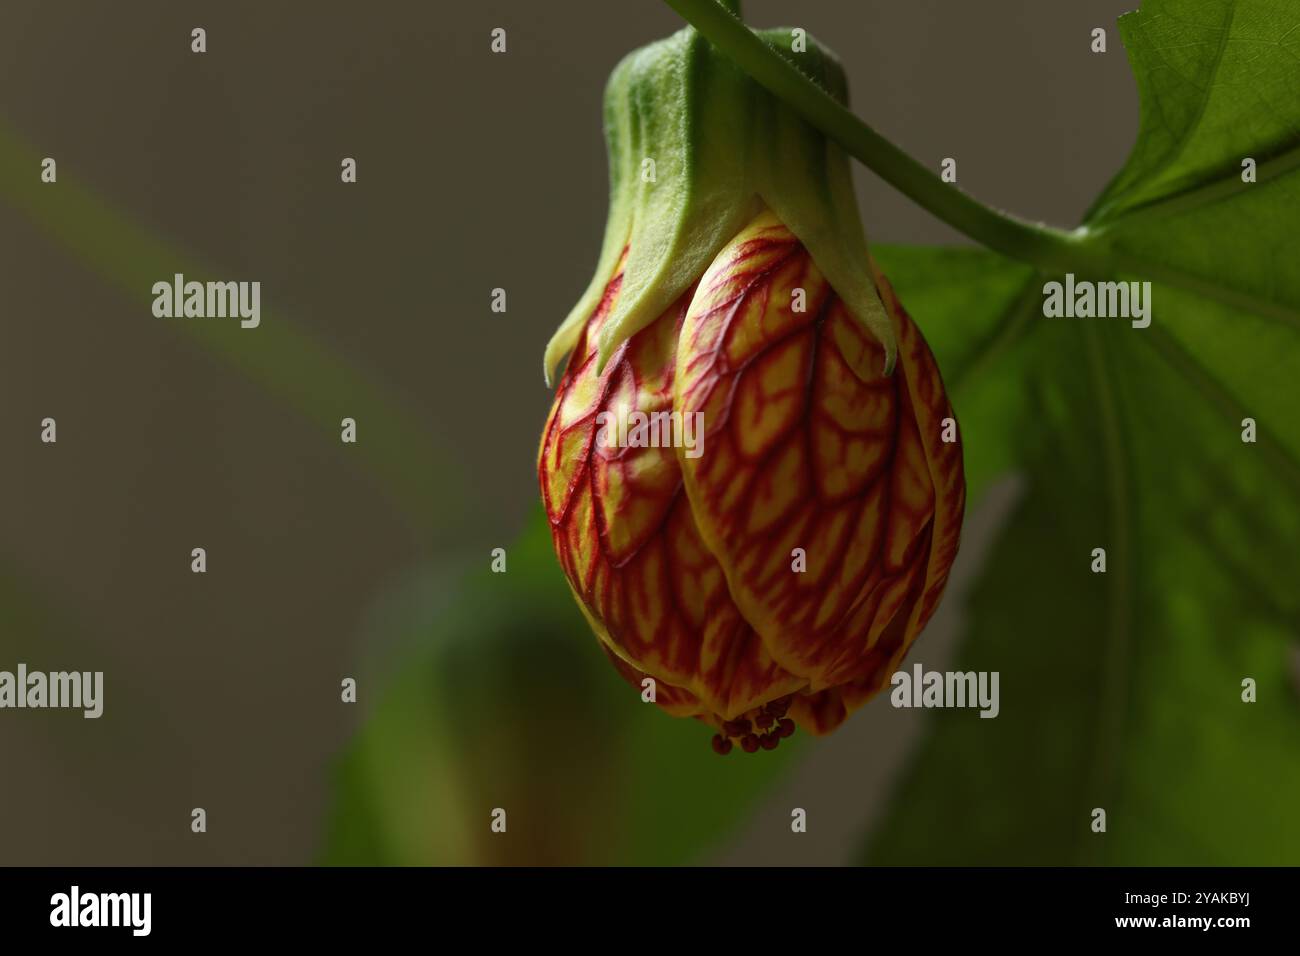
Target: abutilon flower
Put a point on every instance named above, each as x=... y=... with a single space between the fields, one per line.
x=774 y=571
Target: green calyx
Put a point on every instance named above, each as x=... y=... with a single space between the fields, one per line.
x=696 y=149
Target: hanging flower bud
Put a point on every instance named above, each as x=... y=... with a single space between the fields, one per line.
x=744 y=467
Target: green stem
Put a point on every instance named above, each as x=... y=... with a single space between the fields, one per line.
x=1051 y=250
x=731 y=6
x=1092 y=250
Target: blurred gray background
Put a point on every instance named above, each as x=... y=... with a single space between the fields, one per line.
x=475 y=171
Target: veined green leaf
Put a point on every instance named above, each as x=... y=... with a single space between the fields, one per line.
x=1124 y=690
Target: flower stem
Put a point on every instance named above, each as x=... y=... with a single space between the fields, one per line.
x=1092 y=250
x=1051 y=250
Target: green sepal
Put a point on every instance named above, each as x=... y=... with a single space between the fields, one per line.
x=722 y=147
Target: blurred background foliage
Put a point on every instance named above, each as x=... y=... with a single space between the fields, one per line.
x=500 y=697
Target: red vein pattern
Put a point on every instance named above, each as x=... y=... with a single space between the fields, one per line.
x=687 y=565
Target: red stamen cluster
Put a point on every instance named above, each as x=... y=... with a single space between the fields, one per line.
x=761 y=728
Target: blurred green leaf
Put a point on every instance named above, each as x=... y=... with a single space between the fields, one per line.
x=502 y=698
x=1123 y=690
